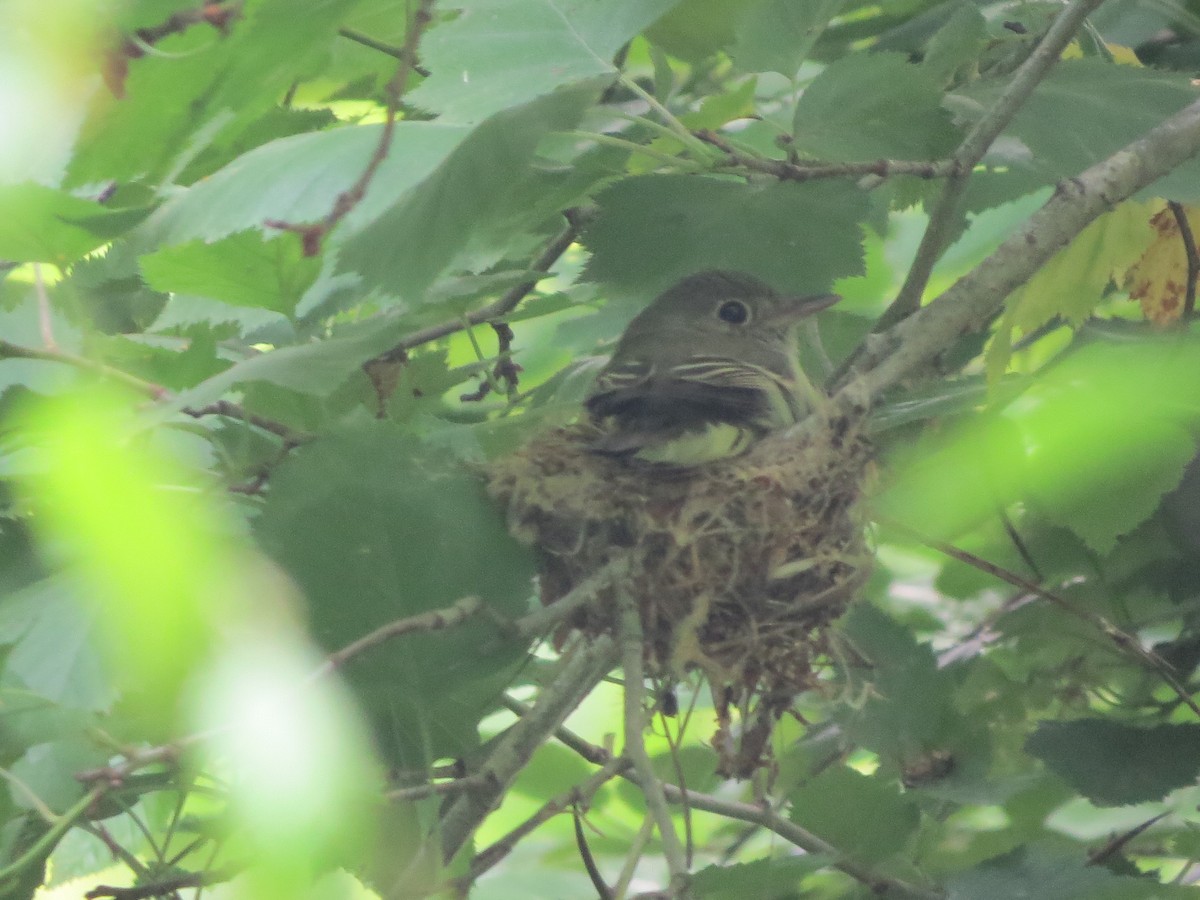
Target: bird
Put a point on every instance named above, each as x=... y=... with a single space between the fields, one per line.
x=703 y=372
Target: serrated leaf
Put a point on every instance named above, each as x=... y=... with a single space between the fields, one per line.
x=653 y=230
x=1087 y=109
x=248 y=191
x=202 y=87
x=1034 y=875
x=863 y=816
x=1092 y=445
x=777 y=35
x=764 y=879
x=1113 y=764
x=498 y=54
x=695 y=29
x=873 y=106
x=956 y=44
x=55 y=650
x=466 y=205
x=244 y=269
x=41 y=224
x=1072 y=283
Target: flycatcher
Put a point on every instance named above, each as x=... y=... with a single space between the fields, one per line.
x=704 y=371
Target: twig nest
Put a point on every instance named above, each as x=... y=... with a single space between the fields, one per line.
x=738 y=566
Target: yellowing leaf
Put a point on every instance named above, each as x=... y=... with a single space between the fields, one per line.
x=1073 y=282
x=1159 y=278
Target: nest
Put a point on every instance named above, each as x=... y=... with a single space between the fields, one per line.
x=739 y=566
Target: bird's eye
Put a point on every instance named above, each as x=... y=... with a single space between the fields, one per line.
x=735 y=312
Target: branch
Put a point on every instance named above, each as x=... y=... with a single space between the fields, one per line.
x=971 y=151
x=291 y=437
x=578 y=673
x=366 y=40
x=501 y=307
x=541 y=620
x=1124 y=641
x=975 y=298
x=632 y=662
x=40 y=848
x=163 y=887
x=744 y=812
x=1193 y=258
x=313 y=233
x=579 y=795
x=154 y=391
x=434 y=620
x=790 y=171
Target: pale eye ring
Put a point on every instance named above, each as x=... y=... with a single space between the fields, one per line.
x=734 y=312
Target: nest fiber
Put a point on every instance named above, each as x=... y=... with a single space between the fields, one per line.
x=738 y=566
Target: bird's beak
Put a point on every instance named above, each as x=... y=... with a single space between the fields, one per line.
x=793 y=309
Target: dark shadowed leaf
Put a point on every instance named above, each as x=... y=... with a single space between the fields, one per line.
x=873 y=106
x=1113 y=764
x=655 y=229
x=375 y=526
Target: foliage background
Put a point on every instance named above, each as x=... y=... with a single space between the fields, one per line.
x=278 y=276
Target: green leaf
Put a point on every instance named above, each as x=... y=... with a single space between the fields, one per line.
x=1072 y=283
x=1086 y=110
x=695 y=29
x=1113 y=764
x=956 y=45
x=464 y=206
x=41 y=224
x=865 y=817
x=763 y=879
x=318 y=368
x=1036 y=875
x=55 y=648
x=244 y=269
x=777 y=35
x=502 y=53
x=653 y=230
x=319 y=166
x=199 y=86
x=375 y=526
x=873 y=106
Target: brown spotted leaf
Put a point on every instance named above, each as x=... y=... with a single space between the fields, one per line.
x=1158 y=280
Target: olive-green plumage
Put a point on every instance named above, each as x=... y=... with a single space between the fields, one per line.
x=707 y=368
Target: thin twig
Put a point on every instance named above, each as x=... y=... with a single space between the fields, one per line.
x=163 y=887
x=1122 y=639
x=579 y=671
x=790 y=171
x=972 y=150
x=1120 y=841
x=433 y=620
x=43 y=845
x=632 y=652
x=579 y=795
x=154 y=391
x=501 y=307
x=313 y=233
x=437 y=788
x=541 y=620
x=745 y=812
x=391 y=50
x=290 y=436
x=1193 y=258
